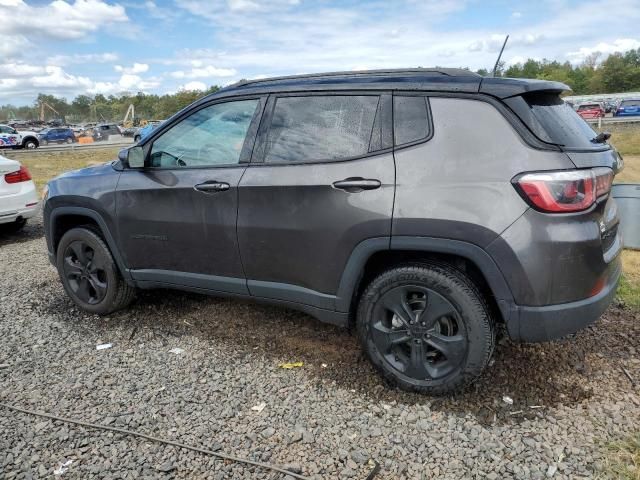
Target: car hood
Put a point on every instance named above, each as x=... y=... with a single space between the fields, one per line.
x=7 y=165
x=99 y=169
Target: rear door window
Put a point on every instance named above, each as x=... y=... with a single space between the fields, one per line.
x=410 y=119
x=321 y=128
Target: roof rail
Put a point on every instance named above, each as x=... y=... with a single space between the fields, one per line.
x=450 y=72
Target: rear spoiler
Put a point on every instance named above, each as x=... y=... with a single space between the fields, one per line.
x=510 y=87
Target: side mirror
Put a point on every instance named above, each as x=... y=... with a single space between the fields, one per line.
x=132 y=157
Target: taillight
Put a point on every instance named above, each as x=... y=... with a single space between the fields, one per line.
x=21 y=175
x=564 y=191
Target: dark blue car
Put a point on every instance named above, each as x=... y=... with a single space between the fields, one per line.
x=628 y=108
x=56 y=135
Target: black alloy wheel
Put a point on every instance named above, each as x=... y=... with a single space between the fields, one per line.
x=89 y=272
x=426 y=327
x=84 y=269
x=418 y=332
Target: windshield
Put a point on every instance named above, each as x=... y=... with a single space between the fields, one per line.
x=630 y=103
x=562 y=125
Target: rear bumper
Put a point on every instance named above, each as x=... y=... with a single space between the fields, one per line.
x=541 y=324
x=22 y=204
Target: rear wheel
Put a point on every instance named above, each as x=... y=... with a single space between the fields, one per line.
x=426 y=328
x=69 y=140
x=89 y=273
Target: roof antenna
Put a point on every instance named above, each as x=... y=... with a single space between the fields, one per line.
x=495 y=67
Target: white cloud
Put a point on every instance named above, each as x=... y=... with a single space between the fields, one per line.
x=136 y=68
x=56 y=77
x=18 y=70
x=516 y=15
x=203 y=72
x=619 y=45
x=195 y=85
x=20 y=79
x=59 y=19
x=63 y=60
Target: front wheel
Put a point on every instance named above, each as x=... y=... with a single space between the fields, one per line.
x=30 y=144
x=69 y=140
x=426 y=328
x=89 y=274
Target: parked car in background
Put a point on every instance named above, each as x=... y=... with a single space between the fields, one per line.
x=104 y=131
x=129 y=132
x=628 y=108
x=143 y=132
x=18 y=196
x=591 y=110
x=56 y=135
x=12 y=138
x=327 y=193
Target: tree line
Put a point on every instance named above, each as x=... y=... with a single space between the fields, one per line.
x=615 y=73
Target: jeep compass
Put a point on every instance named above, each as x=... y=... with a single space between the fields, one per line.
x=422 y=208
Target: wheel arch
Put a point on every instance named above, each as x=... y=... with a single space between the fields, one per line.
x=30 y=137
x=372 y=256
x=63 y=219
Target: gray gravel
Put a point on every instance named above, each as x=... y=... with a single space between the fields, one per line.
x=328 y=419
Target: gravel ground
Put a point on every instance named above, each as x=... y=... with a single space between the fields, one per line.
x=328 y=419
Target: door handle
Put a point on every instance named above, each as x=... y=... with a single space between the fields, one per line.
x=357 y=184
x=212 y=187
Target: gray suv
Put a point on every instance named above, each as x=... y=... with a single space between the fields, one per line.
x=422 y=208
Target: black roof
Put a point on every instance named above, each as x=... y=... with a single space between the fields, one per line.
x=427 y=79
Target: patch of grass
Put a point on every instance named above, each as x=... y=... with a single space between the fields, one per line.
x=623 y=459
x=626 y=138
x=629 y=290
x=45 y=166
x=631 y=172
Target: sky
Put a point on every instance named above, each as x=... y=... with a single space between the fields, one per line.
x=71 y=47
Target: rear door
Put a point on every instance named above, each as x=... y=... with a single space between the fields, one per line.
x=321 y=181
x=177 y=216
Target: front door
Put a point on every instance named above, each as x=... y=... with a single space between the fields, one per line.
x=321 y=182
x=8 y=137
x=177 y=216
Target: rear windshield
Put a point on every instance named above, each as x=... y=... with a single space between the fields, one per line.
x=561 y=124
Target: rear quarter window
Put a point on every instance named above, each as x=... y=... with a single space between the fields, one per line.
x=410 y=119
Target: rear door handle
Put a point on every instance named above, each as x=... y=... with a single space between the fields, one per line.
x=212 y=186
x=357 y=184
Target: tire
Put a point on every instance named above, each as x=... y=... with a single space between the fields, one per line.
x=442 y=336
x=45 y=142
x=136 y=138
x=30 y=144
x=13 y=227
x=69 y=140
x=89 y=274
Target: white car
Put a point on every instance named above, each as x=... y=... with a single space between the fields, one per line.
x=11 y=138
x=18 y=197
